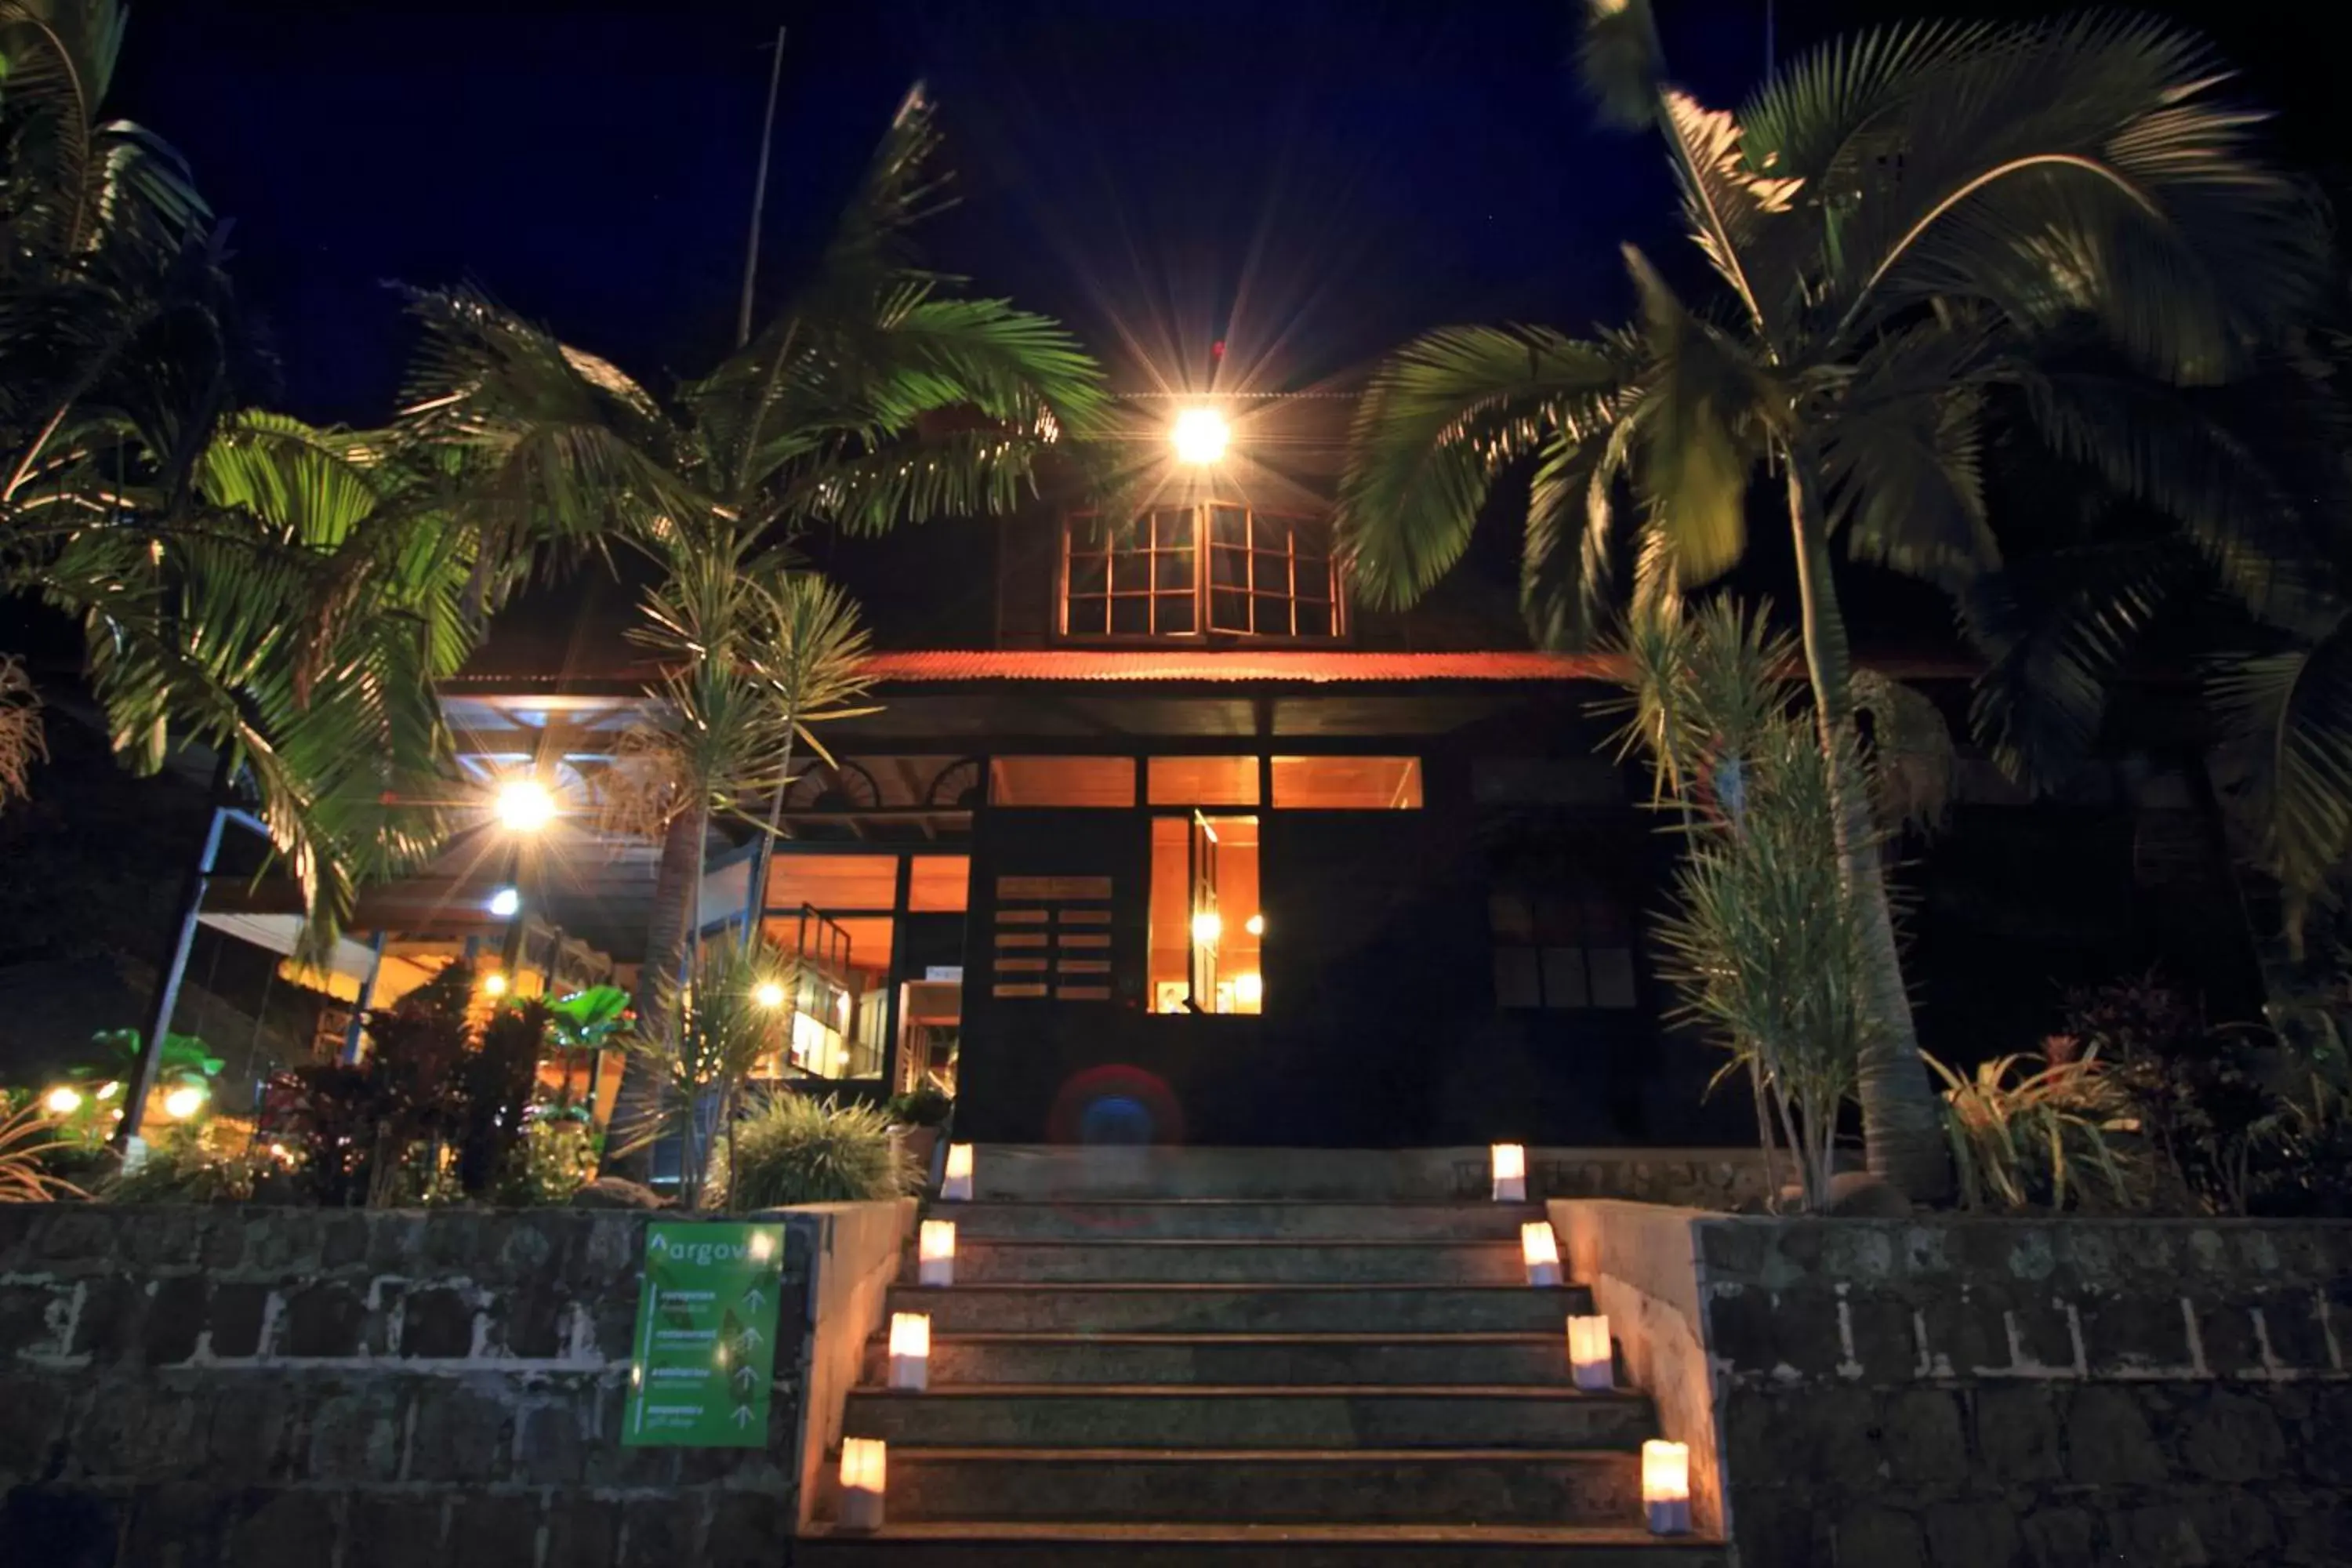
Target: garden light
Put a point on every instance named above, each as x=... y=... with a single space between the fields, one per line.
x=911 y=1351
x=865 y=1467
x=1540 y=1249
x=1510 y=1167
x=1666 y=1487
x=62 y=1100
x=184 y=1101
x=505 y=903
x=955 y=1183
x=935 y=1253
x=1199 y=436
x=524 y=805
x=1589 y=1355
x=494 y=984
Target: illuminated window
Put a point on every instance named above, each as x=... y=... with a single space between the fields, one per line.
x=832 y=882
x=940 y=884
x=1347 y=784
x=1176 y=572
x=1208 y=935
x=1201 y=781
x=1061 y=781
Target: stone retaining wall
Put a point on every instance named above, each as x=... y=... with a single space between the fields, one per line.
x=289 y=1388
x=1981 y=1392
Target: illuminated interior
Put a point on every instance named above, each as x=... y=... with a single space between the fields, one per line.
x=1208 y=934
x=1347 y=784
x=1201 y=781
x=1061 y=781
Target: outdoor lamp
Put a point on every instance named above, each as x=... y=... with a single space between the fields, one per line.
x=1199 y=436
x=523 y=805
x=1510 y=1166
x=1254 y=925
x=767 y=994
x=935 y=1253
x=505 y=903
x=184 y=1101
x=1588 y=1355
x=62 y=1100
x=494 y=984
x=864 y=1466
x=1541 y=1250
x=1666 y=1487
x=910 y=1350
x=956 y=1183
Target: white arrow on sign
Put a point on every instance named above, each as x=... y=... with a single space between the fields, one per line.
x=748 y=1338
x=754 y=1299
x=744 y=1377
x=742 y=1415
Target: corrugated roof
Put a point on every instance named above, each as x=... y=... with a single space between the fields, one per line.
x=1312 y=667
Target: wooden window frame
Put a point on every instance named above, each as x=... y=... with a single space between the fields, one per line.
x=1205 y=588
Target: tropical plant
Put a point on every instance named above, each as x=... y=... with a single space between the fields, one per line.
x=2030 y=1134
x=29 y=1137
x=790 y=1149
x=724 y=1031
x=488 y=1094
x=556 y=1158
x=21 y=741
x=927 y=1106
x=588 y=1024
x=189 y=1165
x=184 y=1058
x=1927 y=233
x=1763 y=940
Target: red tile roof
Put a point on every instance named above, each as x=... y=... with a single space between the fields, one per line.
x=1312 y=667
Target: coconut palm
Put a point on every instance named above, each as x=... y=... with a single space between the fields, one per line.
x=877 y=396
x=1923 y=233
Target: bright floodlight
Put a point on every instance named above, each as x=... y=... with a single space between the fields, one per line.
x=1200 y=435
x=494 y=984
x=62 y=1100
x=505 y=903
x=767 y=994
x=524 y=805
x=183 y=1102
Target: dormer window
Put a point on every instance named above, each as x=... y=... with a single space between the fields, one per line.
x=1218 y=569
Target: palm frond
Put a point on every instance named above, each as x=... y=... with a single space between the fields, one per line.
x=1701 y=415
x=2294 y=708
x=1621 y=61
x=1440 y=418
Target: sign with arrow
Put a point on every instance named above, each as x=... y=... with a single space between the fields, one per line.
x=705 y=1348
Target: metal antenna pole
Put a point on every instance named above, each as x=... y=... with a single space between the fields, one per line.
x=760 y=196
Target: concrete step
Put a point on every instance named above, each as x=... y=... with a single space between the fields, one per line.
x=972 y=1545
x=1202 y=1417
x=1201 y=1219
x=1265 y=1486
x=1034 y=1170
x=1538 y=1360
x=965 y=1308
x=1295 y=1262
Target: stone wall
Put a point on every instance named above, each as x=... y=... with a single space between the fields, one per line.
x=1980 y=1392
x=288 y=1388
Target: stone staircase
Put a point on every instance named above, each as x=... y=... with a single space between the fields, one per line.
x=1238 y=1381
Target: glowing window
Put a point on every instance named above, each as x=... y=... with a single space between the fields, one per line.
x=1176 y=572
x=832 y=882
x=1347 y=784
x=1061 y=781
x=940 y=884
x=1201 y=781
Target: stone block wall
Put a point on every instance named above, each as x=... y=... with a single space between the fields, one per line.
x=1981 y=1392
x=288 y=1388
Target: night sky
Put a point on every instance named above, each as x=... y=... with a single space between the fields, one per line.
x=1312 y=179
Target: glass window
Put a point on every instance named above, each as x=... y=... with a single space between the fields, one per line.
x=1178 y=571
x=832 y=882
x=940 y=884
x=1207 y=936
x=1347 y=784
x=1201 y=781
x=1061 y=781
x=1565 y=948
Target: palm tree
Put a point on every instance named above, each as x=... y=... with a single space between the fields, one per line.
x=877 y=396
x=1923 y=233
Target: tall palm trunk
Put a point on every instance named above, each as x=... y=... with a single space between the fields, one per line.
x=1902 y=1122
x=677 y=889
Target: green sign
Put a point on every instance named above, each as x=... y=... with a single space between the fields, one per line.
x=705 y=1340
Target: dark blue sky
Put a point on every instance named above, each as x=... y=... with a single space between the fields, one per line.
x=1314 y=178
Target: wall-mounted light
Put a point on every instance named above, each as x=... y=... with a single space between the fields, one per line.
x=1509 y=1164
x=865 y=1471
x=935 y=1253
x=1207 y=927
x=767 y=994
x=1254 y=925
x=524 y=805
x=494 y=984
x=1666 y=1487
x=1199 y=436
x=505 y=904
x=1588 y=1355
x=955 y=1183
x=1540 y=1250
x=911 y=1351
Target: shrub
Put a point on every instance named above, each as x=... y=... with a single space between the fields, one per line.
x=2040 y=1139
x=790 y=1149
x=554 y=1159
x=926 y=1107
x=29 y=1137
x=184 y=1167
